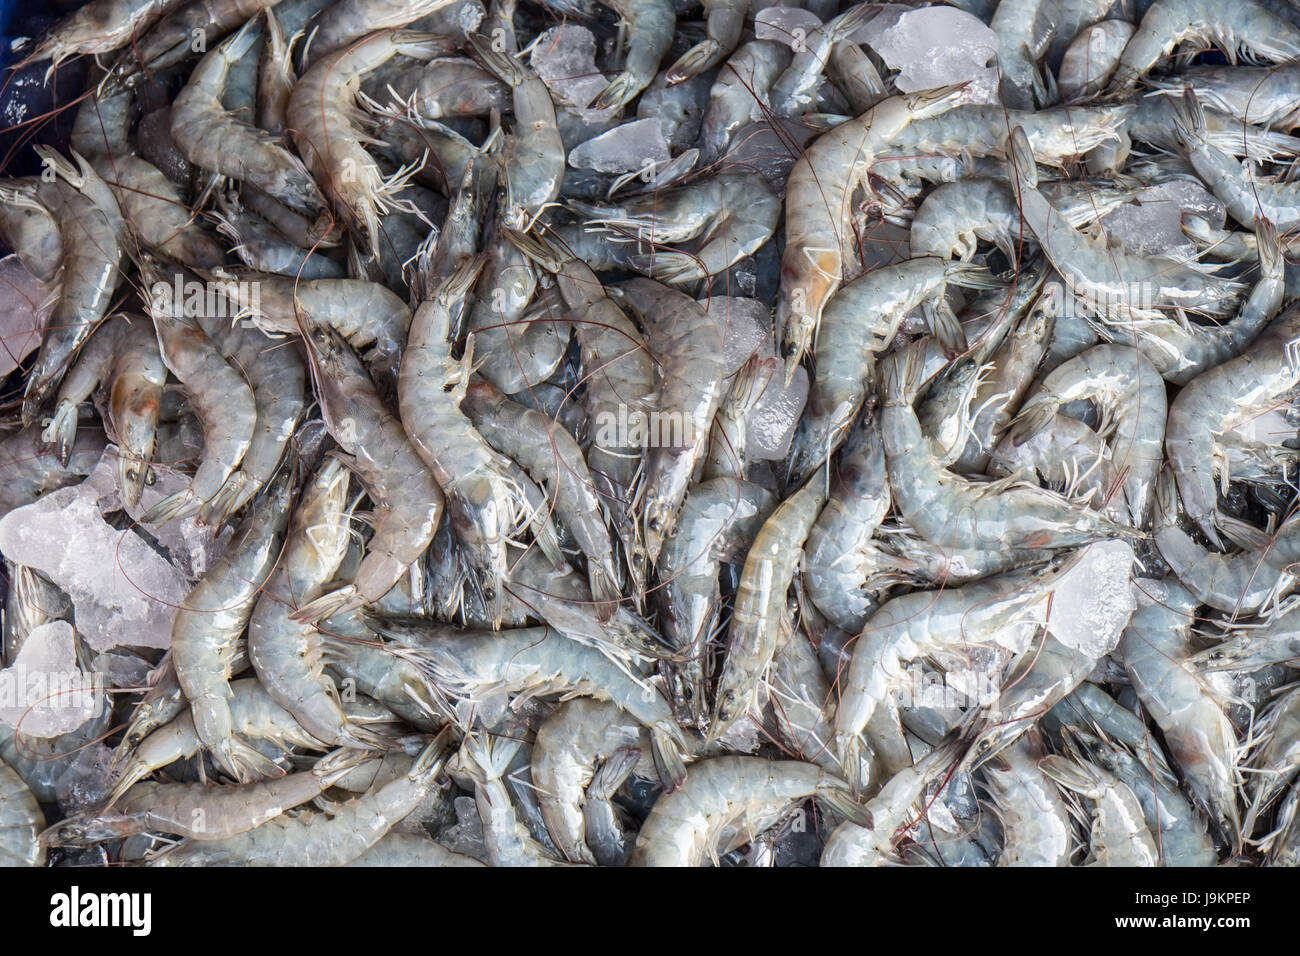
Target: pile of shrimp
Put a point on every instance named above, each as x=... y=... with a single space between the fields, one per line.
x=346 y=268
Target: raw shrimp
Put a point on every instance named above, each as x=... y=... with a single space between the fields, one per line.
x=1035 y=822
x=726 y=803
x=818 y=210
x=1220 y=399
x=650 y=25
x=687 y=343
x=608 y=826
x=407 y=501
x=101 y=26
x=92 y=233
x=1119 y=831
x=723 y=22
x=859 y=322
x=341 y=24
x=1244 y=26
x=1201 y=739
x=480 y=500
x=739 y=94
x=202 y=811
x=211 y=619
x=1024 y=29
x=795 y=90
x=552 y=456
x=485 y=758
x=215 y=139
x=218 y=394
x=536 y=661
x=871 y=843
x=718 y=522
x=955 y=512
x=1130 y=396
x=760 y=601
x=319 y=839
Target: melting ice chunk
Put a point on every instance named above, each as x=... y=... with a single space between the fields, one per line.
x=1093 y=601
x=935 y=46
x=623 y=149
x=45 y=693
x=123 y=591
x=1152 y=225
x=565 y=58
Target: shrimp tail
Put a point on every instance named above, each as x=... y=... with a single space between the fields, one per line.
x=1021 y=155
x=540 y=250
x=666 y=749
x=1189 y=119
x=1033 y=418
x=501 y=64
x=900 y=374
x=853 y=764
x=244 y=763
x=346 y=598
x=61 y=432
x=947 y=329
x=604 y=591
x=692 y=63
x=843 y=803
x=612 y=773
x=182 y=504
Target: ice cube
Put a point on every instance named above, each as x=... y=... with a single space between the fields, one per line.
x=623 y=149
x=679 y=109
x=746 y=327
x=1151 y=225
x=45 y=693
x=565 y=58
x=935 y=46
x=771 y=424
x=1092 y=602
x=788 y=25
x=465 y=836
x=25 y=304
x=123 y=591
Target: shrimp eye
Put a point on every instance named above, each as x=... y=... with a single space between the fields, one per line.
x=654 y=523
x=150 y=477
x=132 y=474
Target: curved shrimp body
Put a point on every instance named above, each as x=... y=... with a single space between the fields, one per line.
x=1245 y=26
x=1201 y=739
x=1178 y=830
x=795 y=90
x=718 y=521
x=552 y=456
x=570 y=744
x=1181 y=352
x=726 y=803
x=278 y=379
x=818 y=208
x=1259 y=95
x=536 y=661
x=1068 y=455
x=185 y=30
x=1238 y=584
x=1119 y=831
x=1024 y=30
x=733 y=214
x=1219 y=400
x=219 y=395
x=1117 y=284
x=859 y=322
x=408 y=503
x=724 y=20
x=650 y=28
x=213 y=138
x=254 y=716
x=840 y=556
x=955 y=512
x=289 y=657
x=212 y=618
x=926 y=149
x=30 y=229
x=21 y=822
x=535 y=153
x=321 y=113
x=1233 y=183
x=264 y=248
x=619 y=384
x=892 y=809
x=739 y=94
x=410 y=849
x=201 y=811
x=92 y=230
x=686 y=342
x=1130 y=394
x=430 y=387
x=340 y=24
x=1276 y=760
x=89 y=369
x=760 y=602
x=156 y=212
x=1034 y=818
x=954 y=216
x=319 y=839
x=101 y=26
x=996 y=610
